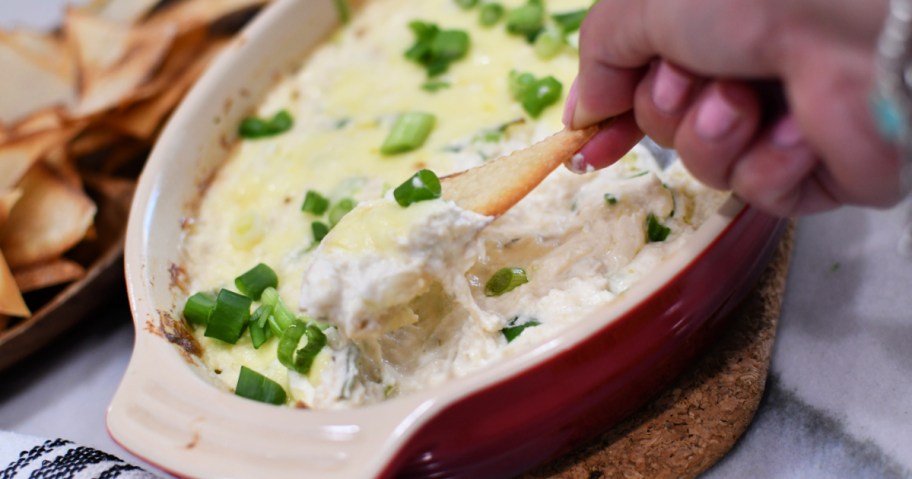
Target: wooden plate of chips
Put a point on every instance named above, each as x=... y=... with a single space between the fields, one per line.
x=80 y=108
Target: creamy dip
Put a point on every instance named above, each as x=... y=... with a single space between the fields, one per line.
x=404 y=288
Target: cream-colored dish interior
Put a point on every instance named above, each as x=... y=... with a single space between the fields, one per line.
x=148 y=416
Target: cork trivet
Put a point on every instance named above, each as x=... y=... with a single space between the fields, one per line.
x=697 y=420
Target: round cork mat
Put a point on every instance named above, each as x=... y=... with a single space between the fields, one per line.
x=696 y=420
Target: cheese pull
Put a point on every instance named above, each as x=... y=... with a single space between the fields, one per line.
x=494 y=187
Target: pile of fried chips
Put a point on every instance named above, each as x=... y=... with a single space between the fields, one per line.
x=79 y=110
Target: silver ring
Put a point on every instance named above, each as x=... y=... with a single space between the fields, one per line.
x=892 y=101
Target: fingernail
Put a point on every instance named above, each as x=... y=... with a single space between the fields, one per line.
x=570 y=105
x=670 y=88
x=715 y=116
x=577 y=164
x=786 y=133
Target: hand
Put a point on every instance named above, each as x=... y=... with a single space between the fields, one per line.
x=695 y=75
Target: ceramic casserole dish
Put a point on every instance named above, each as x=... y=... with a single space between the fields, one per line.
x=496 y=422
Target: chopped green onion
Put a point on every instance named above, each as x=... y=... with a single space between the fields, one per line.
x=314 y=203
x=301 y=359
x=534 y=94
x=466 y=4
x=513 y=330
x=505 y=280
x=319 y=230
x=230 y=316
x=548 y=45
x=610 y=199
x=570 y=22
x=656 y=231
x=253 y=385
x=339 y=210
x=281 y=317
x=520 y=83
x=258 y=334
x=253 y=127
x=422 y=186
x=342 y=10
x=490 y=14
x=253 y=282
x=198 y=308
x=433 y=86
x=409 y=132
x=436 y=49
x=259 y=331
x=527 y=20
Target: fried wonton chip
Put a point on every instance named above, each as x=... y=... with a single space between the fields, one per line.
x=44 y=119
x=191 y=14
x=8 y=199
x=123 y=11
x=49 y=218
x=17 y=156
x=59 y=160
x=114 y=60
x=47 y=49
x=44 y=275
x=143 y=119
x=28 y=86
x=494 y=187
x=11 y=302
x=93 y=140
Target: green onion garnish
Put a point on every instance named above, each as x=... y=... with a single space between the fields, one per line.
x=548 y=44
x=513 y=330
x=342 y=10
x=505 y=280
x=319 y=230
x=570 y=22
x=314 y=203
x=259 y=329
x=466 y=4
x=535 y=94
x=422 y=186
x=610 y=199
x=339 y=210
x=408 y=133
x=281 y=317
x=253 y=127
x=253 y=385
x=300 y=359
x=230 y=316
x=434 y=86
x=490 y=14
x=253 y=282
x=198 y=308
x=656 y=231
x=436 y=49
x=527 y=20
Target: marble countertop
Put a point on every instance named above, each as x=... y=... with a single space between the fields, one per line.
x=838 y=400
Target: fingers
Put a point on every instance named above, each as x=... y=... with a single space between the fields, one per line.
x=716 y=130
x=780 y=174
x=662 y=99
x=620 y=37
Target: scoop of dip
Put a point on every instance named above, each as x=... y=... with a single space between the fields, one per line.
x=381 y=256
